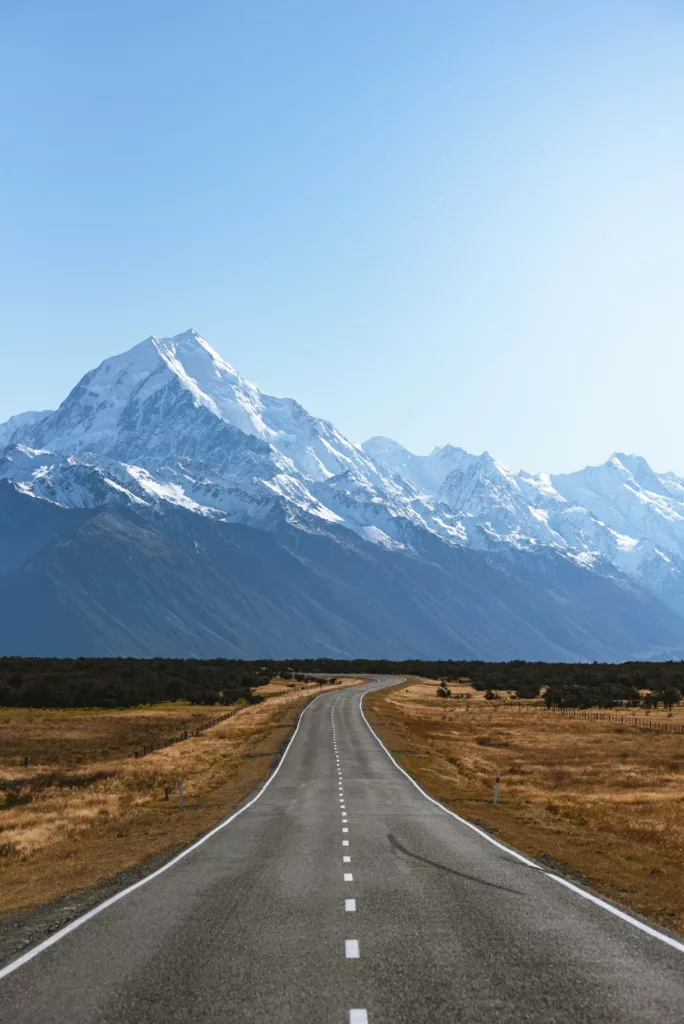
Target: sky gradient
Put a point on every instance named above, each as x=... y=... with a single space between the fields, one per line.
x=439 y=221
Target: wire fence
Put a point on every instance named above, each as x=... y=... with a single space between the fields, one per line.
x=632 y=720
x=638 y=722
x=185 y=735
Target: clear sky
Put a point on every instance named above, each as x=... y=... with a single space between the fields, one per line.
x=439 y=220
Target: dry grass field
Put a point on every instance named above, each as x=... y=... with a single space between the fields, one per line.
x=72 y=736
x=606 y=801
x=84 y=809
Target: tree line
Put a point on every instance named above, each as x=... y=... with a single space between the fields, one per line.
x=127 y=682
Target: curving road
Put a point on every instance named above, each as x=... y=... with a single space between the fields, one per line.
x=343 y=894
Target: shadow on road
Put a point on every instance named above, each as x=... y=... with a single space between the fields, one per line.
x=443 y=867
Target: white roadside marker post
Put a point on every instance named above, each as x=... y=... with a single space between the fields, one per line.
x=180 y=792
x=496 y=788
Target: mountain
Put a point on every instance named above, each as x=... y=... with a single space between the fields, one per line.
x=18 y=424
x=168 y=507
x=424 y=472
x=621 y=513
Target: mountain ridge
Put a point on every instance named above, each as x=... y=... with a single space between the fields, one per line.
x=168 y=432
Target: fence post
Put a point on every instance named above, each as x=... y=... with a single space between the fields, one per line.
x=180 y=792
x=496 y=788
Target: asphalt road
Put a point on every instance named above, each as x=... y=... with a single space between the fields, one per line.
x=426 y=922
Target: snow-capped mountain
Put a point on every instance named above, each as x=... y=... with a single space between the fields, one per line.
x=171 y=421
x=18 y=424
x=424 y=472
x=119 y=409
x=621 y=513
x=164 y=454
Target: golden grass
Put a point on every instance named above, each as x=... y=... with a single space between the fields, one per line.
x=607 y=800
x=72 y=736
x=285 y=685
x=65 y=826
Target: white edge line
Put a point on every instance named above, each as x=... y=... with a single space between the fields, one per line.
x=525 y=860
x=73 y=925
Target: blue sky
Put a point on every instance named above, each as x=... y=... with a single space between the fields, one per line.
x=440 y=221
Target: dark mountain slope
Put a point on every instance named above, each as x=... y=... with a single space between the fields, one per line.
x=109 y=582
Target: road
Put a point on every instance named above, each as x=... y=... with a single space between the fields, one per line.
x=343 y=894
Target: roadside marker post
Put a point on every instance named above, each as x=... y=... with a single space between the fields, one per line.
x=180 y=792
x=496 y=788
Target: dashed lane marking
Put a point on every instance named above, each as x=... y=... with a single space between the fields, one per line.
x=351 y=949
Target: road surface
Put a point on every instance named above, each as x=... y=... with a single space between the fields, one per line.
x=343 y=894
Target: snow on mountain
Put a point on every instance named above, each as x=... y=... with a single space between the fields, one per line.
x=170 y=423
x=129 y=396
x=18 y=424
x=628 y=497
x=172 y=414
x=424 y=472
x=621 y=513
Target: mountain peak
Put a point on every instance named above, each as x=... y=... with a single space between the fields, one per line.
x=190 y=337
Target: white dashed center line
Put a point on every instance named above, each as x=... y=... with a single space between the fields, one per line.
x=351 y=946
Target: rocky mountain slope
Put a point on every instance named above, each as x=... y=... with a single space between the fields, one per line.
x=168 y=507
x=621 y=513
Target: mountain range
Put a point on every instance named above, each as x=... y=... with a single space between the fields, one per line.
x=169 y=508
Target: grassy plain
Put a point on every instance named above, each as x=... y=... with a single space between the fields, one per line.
x=601 y=800
x=84 y=809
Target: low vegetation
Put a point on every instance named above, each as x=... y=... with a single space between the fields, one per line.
x=125 y=682
x=128 y=682
x=600 y=801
